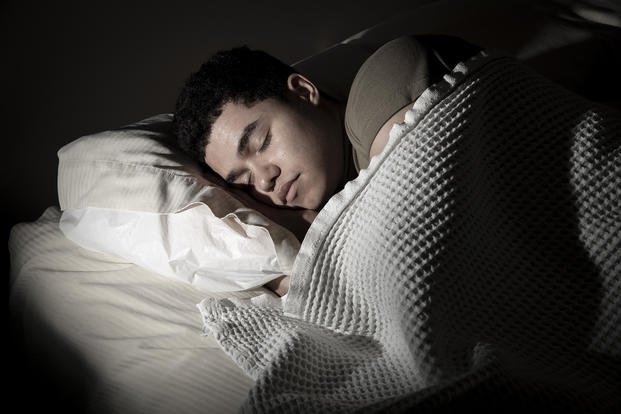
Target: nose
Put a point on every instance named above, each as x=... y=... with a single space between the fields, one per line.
x=265 y=177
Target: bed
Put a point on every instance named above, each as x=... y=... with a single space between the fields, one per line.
x=119 y=337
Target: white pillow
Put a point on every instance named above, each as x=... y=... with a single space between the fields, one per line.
x=112 y=183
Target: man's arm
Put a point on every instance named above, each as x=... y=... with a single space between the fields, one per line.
x=279 y=286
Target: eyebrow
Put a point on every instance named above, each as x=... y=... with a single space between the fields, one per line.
x=242 y=147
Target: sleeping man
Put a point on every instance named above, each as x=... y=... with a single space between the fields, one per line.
x=269 y=130
x=477 y=255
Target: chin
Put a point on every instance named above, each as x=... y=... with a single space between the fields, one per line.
x=319 y=201
x=317 y=197
x=309 y=203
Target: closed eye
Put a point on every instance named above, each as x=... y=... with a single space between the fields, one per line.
x=234 y=179
x=239 y=182
x=266 y=142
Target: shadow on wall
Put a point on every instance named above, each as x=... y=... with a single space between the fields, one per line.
x=82 y=68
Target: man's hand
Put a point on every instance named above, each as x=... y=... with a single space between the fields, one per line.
x=279 y=286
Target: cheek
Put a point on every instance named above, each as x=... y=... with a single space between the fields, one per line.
x=287 y=152
x=301 y=149
x=314 y=190
x=301 y=137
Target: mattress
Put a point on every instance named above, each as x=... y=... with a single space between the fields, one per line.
x=135 y=338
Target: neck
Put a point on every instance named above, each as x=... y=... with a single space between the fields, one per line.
x=337 y=109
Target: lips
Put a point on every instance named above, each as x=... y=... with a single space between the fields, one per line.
x=286 y=194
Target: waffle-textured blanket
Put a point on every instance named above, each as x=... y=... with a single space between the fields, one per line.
x=475 y=263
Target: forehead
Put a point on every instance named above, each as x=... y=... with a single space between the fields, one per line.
x=228 y=128
x=232 y=120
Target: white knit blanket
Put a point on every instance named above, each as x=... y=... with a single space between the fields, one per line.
x=475 y=264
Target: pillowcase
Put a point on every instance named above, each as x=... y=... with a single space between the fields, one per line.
x=111 y=184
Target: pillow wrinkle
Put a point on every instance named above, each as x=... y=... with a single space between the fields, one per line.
x=137 y=168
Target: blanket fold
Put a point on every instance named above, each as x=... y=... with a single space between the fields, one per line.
x=475 y=263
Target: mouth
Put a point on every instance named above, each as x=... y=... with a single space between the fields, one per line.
x=288 y=191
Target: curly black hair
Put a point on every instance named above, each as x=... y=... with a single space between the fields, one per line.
x=237 y=75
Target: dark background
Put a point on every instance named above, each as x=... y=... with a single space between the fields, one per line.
x=78 y=67
x=73 y=68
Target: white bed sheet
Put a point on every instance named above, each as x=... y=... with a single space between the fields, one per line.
x=138 y=334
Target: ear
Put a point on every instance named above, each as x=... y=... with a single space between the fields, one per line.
x=303 y=88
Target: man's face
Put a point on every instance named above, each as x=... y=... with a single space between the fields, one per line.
x=287 y=153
